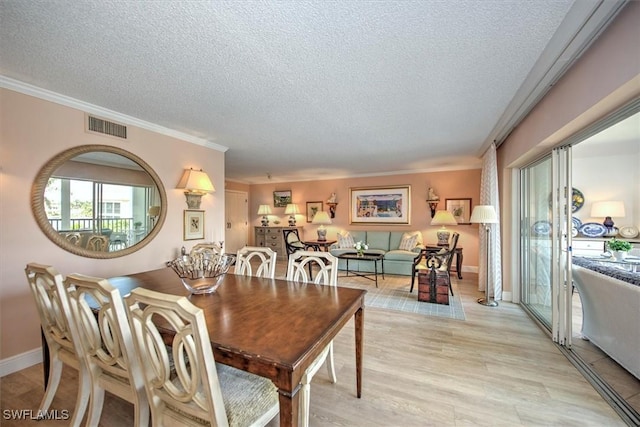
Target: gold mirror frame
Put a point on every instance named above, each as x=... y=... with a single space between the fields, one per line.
x=40 y=183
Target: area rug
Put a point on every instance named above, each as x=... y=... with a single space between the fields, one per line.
x=393 y=294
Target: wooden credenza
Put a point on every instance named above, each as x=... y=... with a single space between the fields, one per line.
x=273 y=238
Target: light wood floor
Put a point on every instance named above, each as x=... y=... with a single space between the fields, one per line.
x=497 y=368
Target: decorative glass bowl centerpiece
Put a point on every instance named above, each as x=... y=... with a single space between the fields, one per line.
x=202 y=272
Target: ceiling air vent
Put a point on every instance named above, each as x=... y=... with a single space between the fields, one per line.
x=105 y=127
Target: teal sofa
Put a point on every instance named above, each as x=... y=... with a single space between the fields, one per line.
x=396 y=261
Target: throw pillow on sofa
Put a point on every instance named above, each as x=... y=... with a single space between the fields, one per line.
x=410 y=240
x=345 y=241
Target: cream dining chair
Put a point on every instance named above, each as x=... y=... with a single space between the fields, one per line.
x=47 y=287
x=105 y=338
x=264 y=257
x=98 y=243
x=199 y=391
x=326 y=268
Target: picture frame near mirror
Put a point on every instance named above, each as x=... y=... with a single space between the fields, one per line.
x=312 y=209
x=281 y=198
x=193 y=224
x=380 y=205
x=460 y=209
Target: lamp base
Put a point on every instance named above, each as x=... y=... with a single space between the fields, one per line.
x=265 y=221
x=292 y=221
x=488 y=303
x=443 y=238
x=322 y=234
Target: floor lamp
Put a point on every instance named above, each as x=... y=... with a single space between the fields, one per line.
x=485 y=215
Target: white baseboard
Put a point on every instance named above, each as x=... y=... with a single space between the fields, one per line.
x=507 y=296
x=19 y=362
x=470 y=269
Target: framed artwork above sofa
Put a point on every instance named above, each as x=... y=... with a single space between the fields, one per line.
x=380 y=205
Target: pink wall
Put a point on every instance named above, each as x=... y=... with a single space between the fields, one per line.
x=33 y=131
x=604 y=79
x=452 y=184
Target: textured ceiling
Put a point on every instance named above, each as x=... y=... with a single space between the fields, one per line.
x=297 y=89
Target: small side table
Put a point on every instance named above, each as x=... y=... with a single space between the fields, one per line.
x=319 y=245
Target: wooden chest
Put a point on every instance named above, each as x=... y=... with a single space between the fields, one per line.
x=436 y=290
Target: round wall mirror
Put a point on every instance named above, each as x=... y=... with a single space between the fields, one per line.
x=98 y=201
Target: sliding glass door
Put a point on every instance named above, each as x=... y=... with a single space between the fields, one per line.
x=545 y=209
x=535 y=235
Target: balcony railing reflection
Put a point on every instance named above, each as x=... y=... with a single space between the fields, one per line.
x=104 y=226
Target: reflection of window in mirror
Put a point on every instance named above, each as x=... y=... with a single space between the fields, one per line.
x=101 y=199
x=98 y=190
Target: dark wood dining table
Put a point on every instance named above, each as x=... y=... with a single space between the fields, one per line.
x=269 y=327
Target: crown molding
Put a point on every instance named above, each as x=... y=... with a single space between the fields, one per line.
x=47 y=95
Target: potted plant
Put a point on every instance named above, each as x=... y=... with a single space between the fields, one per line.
x=619 y=248
x=360 y=248
x=137 y=225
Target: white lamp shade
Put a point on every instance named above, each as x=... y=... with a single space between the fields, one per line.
x=291 y=209
x=443 y=218
x=484 y=214
x=321 y=218
x=196 y=181
x=609 y=208
x=264 y=210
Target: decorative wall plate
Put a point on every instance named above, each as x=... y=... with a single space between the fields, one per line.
x=628 y=232
x=593 y=229
x=541 y=228
x=576 y=222
x=577 y=200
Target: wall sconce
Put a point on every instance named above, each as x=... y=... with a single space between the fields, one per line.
x=195 y=184
x=323 y=219
x=432 y=200
x=332 y=202
x=607 y=210
x=154 y=212
x=443 y=218
x=292 y=210
x=264 y=210
x=332 y=209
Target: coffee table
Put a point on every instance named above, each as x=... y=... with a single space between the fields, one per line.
x=370 y=257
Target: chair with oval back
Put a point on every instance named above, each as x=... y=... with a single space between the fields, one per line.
x=202 y=391
x=444 y=256
x=74 y=238
x=292 y=242
x=297 y=270
x=265 y=257
x=98 y=243
x=208 y=249
x=47 y=287
x=105 y=337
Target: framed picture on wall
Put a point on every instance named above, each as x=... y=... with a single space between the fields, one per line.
x=193 y=225
x=380 y=205
x=281 y=198
x=312 y=209
x=460 y=209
